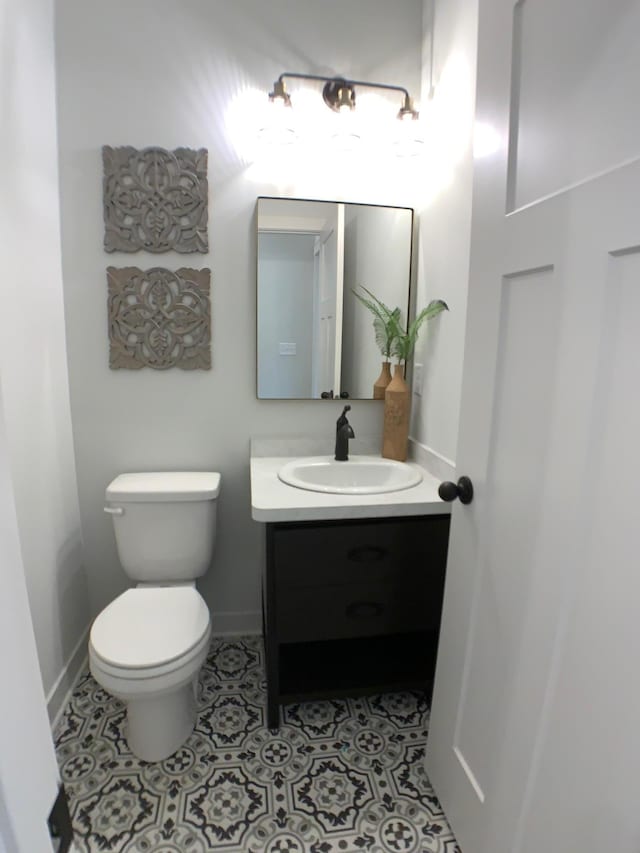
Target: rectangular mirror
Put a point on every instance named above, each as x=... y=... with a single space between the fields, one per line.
x=315 y=339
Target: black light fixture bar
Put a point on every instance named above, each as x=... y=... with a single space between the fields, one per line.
x=345 y=82
x=333 y=87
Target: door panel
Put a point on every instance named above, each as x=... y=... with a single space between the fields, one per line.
x=29 y=775
x=539 y=635
x=514 y=490
x=575 y=77
x=593 y=703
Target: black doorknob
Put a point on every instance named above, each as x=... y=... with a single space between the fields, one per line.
x=450 y=491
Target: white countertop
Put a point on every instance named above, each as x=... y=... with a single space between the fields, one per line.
x=273 y=500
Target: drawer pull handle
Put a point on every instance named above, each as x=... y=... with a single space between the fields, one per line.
x=367 y=554
x=364 y=609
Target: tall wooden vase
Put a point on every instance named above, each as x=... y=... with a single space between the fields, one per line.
x=397 y=407
x=380 y=385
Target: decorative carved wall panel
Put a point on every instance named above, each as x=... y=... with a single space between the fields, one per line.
x=155 y=200
x=159 y=318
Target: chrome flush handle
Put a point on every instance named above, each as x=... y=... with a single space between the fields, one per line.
x=114 y=510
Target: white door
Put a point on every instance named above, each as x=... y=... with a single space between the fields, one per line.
x=534 y=741
x=328 y=298
x=28 y=770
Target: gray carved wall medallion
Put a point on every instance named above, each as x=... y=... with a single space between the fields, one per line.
x=155 y=200
x=159 y=318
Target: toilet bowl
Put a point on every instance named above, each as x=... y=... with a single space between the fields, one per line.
x=148 y=645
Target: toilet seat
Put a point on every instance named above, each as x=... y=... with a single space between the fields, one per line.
x=153 y=678
x=149 y=631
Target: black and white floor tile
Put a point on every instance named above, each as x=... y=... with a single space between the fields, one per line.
x=342 y=775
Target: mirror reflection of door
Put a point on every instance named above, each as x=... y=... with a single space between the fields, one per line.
x=314 y=339
x=285 y=308
x=328 y=280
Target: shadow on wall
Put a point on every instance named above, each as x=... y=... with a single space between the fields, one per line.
x=8 y=840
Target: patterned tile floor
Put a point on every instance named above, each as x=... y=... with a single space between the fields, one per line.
x=338 y=776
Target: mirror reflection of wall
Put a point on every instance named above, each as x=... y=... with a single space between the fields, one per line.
x=314 y=338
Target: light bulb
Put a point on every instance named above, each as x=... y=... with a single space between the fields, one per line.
x=408 y=138
x=278 y=129
x=346 y=134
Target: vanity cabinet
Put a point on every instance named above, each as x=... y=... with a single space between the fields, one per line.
x=352 y=607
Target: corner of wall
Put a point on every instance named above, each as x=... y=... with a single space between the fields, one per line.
x=448 y=89
x=60 y=693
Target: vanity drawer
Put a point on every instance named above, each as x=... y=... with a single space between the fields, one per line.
x=351 y=552
x=356 y=610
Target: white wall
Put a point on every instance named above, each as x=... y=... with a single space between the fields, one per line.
x=170 y=74
x=449 y=64
x=33 y=367
x=285 y=314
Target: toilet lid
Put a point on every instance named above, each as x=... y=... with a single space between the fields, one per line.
x=149 y=626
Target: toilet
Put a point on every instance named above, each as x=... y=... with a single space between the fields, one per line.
x=147 y=646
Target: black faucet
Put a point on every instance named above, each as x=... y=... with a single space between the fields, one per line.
x=344 y=431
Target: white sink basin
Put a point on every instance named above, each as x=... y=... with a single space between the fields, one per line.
x=360 y=475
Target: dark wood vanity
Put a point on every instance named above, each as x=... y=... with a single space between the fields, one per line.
x=352 y=606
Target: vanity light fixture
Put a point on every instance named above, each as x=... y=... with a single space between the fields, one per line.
x=408 y=137
x=407 y=111
x=280 y=96
x=339 y=94
x=279 y=131
x=343 y=134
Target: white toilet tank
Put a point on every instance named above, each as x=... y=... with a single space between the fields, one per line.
x=165 y=523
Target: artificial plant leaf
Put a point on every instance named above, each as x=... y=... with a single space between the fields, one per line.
x=398 y=335
x=375 y=310
x=405 y=343
x=436 y=306
x=432 y=309
x=380 y=332
x=392 y=328
x=385 y=320
x=385 y=311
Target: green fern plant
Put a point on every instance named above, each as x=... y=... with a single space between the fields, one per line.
x=404 y=343
x=386 y=321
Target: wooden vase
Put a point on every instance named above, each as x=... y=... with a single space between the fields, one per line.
x=380 y=385
x=397 y=407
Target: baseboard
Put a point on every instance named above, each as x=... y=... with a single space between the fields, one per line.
x=434 y=462
x=60 y=693
x=236 y=622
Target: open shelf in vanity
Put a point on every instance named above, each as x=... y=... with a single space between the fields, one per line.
x=352 y=606
x=357 y=666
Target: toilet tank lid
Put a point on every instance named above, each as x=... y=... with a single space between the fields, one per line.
x=159 y=486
